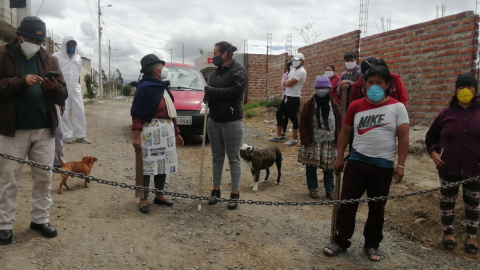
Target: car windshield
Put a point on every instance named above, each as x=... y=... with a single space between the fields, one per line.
x=185 y=78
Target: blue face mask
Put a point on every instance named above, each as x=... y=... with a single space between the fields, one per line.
x=375 y=93
x=70 y=50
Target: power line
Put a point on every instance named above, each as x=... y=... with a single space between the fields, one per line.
x=139 y=31
x=40 y=7
x=91 y=14
x=133 y=40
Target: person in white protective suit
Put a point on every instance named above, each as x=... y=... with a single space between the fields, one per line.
x=70 y=63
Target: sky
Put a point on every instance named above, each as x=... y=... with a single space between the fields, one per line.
x=140 y=27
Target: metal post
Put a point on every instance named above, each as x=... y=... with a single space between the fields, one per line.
x=100 y=82
x=109 y=70
x=171 y=55
x=183 y=53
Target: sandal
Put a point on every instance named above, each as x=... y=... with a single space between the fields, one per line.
x=449 y=244
x=335 y=248
x=471 y=248
x=372 y=251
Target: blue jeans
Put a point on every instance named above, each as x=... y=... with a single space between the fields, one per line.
x=312 y=180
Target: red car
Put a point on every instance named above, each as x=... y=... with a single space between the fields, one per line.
x=187 y=85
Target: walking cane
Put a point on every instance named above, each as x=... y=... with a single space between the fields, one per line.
x=338 y=176
x=333 y=229
x=139 y=172
x=205 y=111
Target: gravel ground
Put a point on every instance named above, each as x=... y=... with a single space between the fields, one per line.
x=101 y=228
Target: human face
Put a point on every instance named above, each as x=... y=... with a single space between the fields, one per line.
x=468 y=87
x=157 y=70
x=31 y=40
x=328 y=68
x=376 y=80
x=216 y=52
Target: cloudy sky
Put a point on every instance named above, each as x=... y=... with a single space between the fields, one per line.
x=200 y=24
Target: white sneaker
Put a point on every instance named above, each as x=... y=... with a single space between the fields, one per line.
x=83 y=140
x=67 y=140
x=291 y=142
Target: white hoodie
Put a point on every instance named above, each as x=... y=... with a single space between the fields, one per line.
x=70 y=66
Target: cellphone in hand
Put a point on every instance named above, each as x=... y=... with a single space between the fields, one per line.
x=52 y=75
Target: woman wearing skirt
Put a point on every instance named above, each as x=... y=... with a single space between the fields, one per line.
x=155 y=128
x=319 y=126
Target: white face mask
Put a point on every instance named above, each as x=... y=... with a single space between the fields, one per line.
x=322 y=92
x=328 y=73
x=29 y=49
x=350 y=65
x=296 y=63
x=164 y=73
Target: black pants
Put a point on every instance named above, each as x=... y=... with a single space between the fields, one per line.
x=289 y=108
x=358 y=178
x=159 y=180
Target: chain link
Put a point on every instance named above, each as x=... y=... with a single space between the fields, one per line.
x=250 y=202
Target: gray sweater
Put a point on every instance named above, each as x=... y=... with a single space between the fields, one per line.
x=225 y=95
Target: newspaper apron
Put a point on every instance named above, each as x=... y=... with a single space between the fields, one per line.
x=159 y=151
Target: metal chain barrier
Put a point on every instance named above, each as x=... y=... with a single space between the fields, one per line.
x=200 y=197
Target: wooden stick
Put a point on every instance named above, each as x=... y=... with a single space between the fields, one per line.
x=139 y=172
x=202 y=155
x=333 y=228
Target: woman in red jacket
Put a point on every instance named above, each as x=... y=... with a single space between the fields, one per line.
x=334 y=80
x=397 y=89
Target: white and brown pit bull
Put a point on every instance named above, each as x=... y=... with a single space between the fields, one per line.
x=262 y=159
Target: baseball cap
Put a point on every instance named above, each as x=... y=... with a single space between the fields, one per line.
x=298 y=56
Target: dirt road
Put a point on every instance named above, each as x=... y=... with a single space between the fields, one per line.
x=101 y=228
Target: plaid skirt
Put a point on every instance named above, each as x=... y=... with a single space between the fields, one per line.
x=319 y=154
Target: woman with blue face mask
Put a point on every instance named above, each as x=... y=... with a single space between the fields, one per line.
x=376 y=121
x=319 y=126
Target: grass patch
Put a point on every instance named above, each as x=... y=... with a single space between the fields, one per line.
x=272 y=102
x=250 y=114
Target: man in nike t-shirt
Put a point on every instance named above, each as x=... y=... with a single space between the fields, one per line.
x=375 y=121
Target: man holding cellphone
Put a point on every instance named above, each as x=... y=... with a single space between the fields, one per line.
x=28 y=118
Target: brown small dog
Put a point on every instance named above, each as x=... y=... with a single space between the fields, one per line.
x=84 y=166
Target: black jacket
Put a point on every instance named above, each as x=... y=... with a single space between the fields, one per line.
x=225 y=92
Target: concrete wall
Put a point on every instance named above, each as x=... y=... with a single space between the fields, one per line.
x=428 y=56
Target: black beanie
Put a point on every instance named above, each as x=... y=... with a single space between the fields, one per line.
x=466 y=79
x=32 y=27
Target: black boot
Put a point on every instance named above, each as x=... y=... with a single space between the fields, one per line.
x=233 y=205
x=216 y=193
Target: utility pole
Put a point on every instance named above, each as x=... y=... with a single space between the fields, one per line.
x=109 y=70
x=100 y=81
x=183 y=53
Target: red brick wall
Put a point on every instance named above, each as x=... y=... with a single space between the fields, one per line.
x=257 y=78
x=317 y=55
x=327 y=52
x=428 y=57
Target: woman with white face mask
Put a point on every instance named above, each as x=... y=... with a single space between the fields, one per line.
x=334 y=80
x=319 y=126
x=155 y=130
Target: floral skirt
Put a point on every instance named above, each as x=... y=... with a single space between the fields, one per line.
x=319 y=154
x=159 y=151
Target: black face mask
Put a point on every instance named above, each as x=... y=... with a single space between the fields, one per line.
x=217 y=60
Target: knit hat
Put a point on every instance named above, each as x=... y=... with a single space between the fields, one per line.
x=466 y=79
x=322 y=81
x=148 y=60
x=32 y=27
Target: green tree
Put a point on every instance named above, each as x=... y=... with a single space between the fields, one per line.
x=127 y=90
